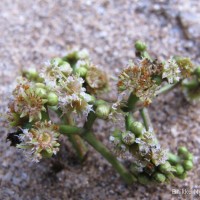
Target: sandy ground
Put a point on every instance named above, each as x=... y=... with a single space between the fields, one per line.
x=31 y=32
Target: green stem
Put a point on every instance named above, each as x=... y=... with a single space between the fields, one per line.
x=90 y=120
x=129 y=120
x=70 y=130
x=167 y=88
x=132 y=100
x=146 y=118
x=98 y=146
x=77 y=141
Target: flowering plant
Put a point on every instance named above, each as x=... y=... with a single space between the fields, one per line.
x=71 y=87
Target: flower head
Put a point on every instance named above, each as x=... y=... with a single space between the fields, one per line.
x=171 y=71
x=26 y=102
x=55 y=70
x=40 y=141
x=140 y=79
x=72 y=96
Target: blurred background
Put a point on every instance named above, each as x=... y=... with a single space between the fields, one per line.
x=32 y=32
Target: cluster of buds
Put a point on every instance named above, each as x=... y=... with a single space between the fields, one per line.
x=150 y=162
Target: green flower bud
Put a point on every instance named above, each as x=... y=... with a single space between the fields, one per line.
x=30 y=74
x=159 y=177
x=99 y=102
x=179 y=169
x=189 y=156
x=81 y=71
x=137 y=128
x=188 y=165
x=183 y=175
x=103 y=111
x=52 y=99
x=41 y=92
x=182 y=151
x=128 y=138
x=165 y=168
x=143 y=179
x=140 y=46
x=56 y=61
x=173 y=159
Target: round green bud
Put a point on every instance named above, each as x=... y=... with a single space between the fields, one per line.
x=173 y=159
x=99 y=102
x=81 y=71
x=188 y=165
x=41 y=92
x=137 y=128
x=165 y=168
x=128 y=138
x=140 y=46
x=189 y=156
x=197 y=71
x=102 y=111
x=143 y=179
x=179 y=169
x=30 y=74
x=182 y=151
x=159 y=177
x=56 y=61
x=183 y=175
x=52 y=99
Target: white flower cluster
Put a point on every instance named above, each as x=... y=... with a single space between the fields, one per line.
x=72 y=96
x=171 y=71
